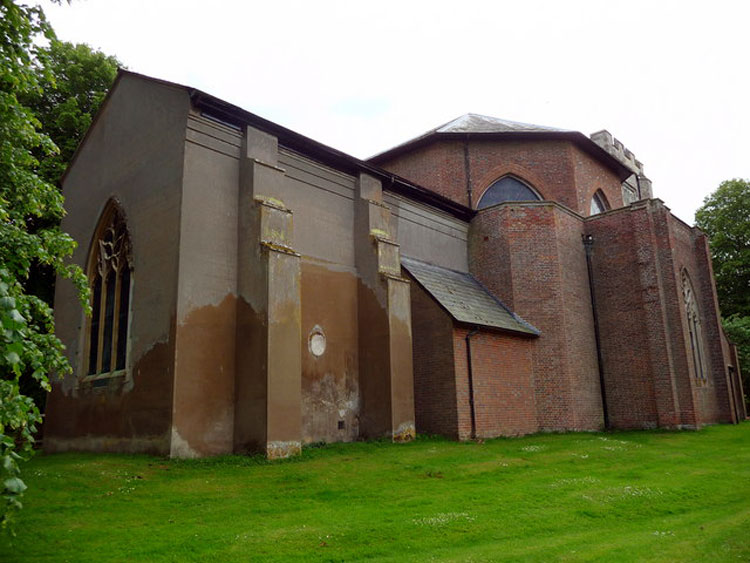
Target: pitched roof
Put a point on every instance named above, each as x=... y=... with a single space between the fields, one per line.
x=235 y=116
x=475 y=123
x=464 y=298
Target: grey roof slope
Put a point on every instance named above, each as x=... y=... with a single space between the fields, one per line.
x=493 y=127
x=475 y=123
x=465 y=299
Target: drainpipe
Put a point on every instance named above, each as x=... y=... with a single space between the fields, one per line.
x=471 y=333
x=467 y=171
x=588 y=243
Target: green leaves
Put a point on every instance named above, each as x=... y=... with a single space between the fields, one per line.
x=73 y=81
x=725 y=218
x=30 y=210
x=14 y=485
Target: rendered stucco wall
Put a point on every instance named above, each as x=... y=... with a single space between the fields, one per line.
x=133 y=153
x=429 y=235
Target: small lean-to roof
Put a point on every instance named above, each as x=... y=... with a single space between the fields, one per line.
x=486 y=127
x=464 y=298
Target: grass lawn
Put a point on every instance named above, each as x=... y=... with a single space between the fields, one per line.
x=662 y=496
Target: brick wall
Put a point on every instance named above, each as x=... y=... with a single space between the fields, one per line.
x=503 y=384
x=434 y=379
x=712 y=399
x=531 y=256
x=639 y=255
x=591 y=176
x=631 y=349
x=437 y=166
x=559 y=170
x=502 y=371
x=538 y=253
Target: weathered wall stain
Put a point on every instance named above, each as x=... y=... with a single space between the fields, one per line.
x=111 y=419
x=374 y=365
x=330 y=382
x=250 y=387
x=204 y=382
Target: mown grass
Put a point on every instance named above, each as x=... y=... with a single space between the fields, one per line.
x=663 y=496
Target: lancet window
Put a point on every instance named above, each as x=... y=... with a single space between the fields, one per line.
x=111 y=275
x=507 y=188
x=694 y=329
x=599 y=203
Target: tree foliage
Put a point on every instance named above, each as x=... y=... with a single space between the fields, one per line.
x=73 y=81
x=725 y=218
x=738 y=331
x=30 y=210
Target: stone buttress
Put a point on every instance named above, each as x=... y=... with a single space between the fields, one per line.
x=268 y=333
x=385 y=340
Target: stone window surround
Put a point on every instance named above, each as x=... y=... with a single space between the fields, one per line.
x=693 y=317
x=110 y=254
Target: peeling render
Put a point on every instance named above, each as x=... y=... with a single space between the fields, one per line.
x=280 y=450
x=180 y=448
x=405 y=432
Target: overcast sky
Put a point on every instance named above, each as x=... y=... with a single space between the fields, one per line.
x=671 y=80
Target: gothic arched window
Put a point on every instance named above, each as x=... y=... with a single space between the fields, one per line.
x=599 y=203
x=507 y=188
x=110 y=272
x=694 y=329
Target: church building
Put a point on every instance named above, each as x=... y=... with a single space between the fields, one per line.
x=254 y=290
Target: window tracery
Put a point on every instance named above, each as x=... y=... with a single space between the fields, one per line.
x=110 y=276
x=507 y=188
x=694 y=329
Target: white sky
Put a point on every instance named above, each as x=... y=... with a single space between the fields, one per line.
x=669 y=79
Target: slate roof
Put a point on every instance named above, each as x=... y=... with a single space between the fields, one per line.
x=475 y=123
x=464 y=298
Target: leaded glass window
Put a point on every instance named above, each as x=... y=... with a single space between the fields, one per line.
x=110 y=275
x=507 y=188
x=694 y=329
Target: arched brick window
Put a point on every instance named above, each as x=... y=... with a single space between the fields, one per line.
x=507 y=188
x=697 y=349
x=599 y=203
x=110 y=273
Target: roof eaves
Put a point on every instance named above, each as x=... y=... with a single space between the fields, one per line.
x=526 y=329
x=327 y=155
x=295 y=141
x=532 y=329
x=581 y=140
